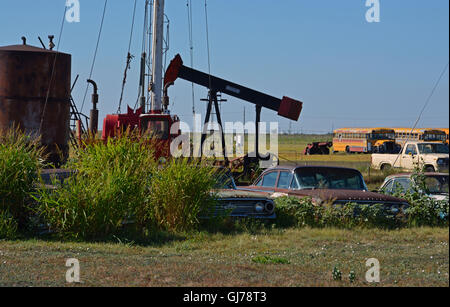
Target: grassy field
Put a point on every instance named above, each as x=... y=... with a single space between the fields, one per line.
x=294 y=257
x=291 y=148
x=409 y=257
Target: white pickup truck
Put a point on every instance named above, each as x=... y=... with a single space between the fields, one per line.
x=431 y=157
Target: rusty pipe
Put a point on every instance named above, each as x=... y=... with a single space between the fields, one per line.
x=93 y=120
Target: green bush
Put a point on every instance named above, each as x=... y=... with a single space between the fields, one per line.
x=8 y=226
x=109 y=189
x=270 y=260
x=20 y=161
x=423 y=210
x=294 y=212
x=180 y=193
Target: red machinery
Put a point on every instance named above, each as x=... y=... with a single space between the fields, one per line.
x=318 y=148
x=161 y=128
x=158 y=125
x=164 y=128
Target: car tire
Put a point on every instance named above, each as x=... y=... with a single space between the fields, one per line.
x=385 y=167
x=429 y=169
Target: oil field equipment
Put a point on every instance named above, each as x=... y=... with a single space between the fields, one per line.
x=35 y=96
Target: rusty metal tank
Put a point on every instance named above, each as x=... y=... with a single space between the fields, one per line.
x=35 y=95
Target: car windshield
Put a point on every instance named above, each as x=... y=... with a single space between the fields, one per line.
x=437 y=184
x=225 y=181
x=433 y=148
x=329 y=178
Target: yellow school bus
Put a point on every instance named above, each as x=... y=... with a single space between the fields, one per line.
x=420 y=135
x=364 y=140
x=445 y=130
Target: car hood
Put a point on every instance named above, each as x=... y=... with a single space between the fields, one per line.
x=438 y=156
x=439 y=197
x=347 y=195
x=229 y=193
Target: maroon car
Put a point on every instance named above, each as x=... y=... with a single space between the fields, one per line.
x=323 y=184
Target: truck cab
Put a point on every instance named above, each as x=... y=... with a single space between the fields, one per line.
x=429 y=156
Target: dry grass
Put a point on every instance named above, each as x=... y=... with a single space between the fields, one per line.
x=409 y=257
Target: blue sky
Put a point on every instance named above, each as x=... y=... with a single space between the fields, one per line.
x=346 y=71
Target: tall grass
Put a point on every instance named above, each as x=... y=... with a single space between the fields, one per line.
x=20 y=161
x=119 y=187
x=109 y=189
x=180 y=193
x=8 y=226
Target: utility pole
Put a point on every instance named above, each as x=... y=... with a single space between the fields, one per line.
x=157 y=56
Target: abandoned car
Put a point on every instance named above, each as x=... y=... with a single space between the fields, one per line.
x=323 y=184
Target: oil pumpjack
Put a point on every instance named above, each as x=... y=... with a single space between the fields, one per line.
x=162 y=126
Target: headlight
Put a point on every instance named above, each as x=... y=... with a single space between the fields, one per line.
x=441 y=161
x=395 y=209
x=270 y=207
x=259 y=207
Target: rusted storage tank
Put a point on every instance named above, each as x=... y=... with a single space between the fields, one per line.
x=35 y=95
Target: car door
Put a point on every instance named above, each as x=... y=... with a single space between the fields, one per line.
x=410 y=158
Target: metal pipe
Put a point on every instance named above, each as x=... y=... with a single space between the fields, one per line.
x=93 y=121
x=157 y=55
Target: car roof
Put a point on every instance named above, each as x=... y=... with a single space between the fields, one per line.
x=295 y=167
x=428 y=174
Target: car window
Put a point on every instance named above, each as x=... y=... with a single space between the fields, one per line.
x=402 y=185
x=411 y=149
x=436 y=184
x=433 y=148
x=294 y=184
x=270 y=180
x=388 y=186
x=225 y=181
x=329 y=178
x=284 y=180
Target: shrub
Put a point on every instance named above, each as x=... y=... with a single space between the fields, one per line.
x=292 y=211
x=270 y=260
x=8 y=226
x=426 y=211
x=20 y=161
x=109 y=189
x=423 y=210
x=180 y=193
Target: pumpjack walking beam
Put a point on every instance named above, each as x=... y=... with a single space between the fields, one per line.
x=286 y=107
